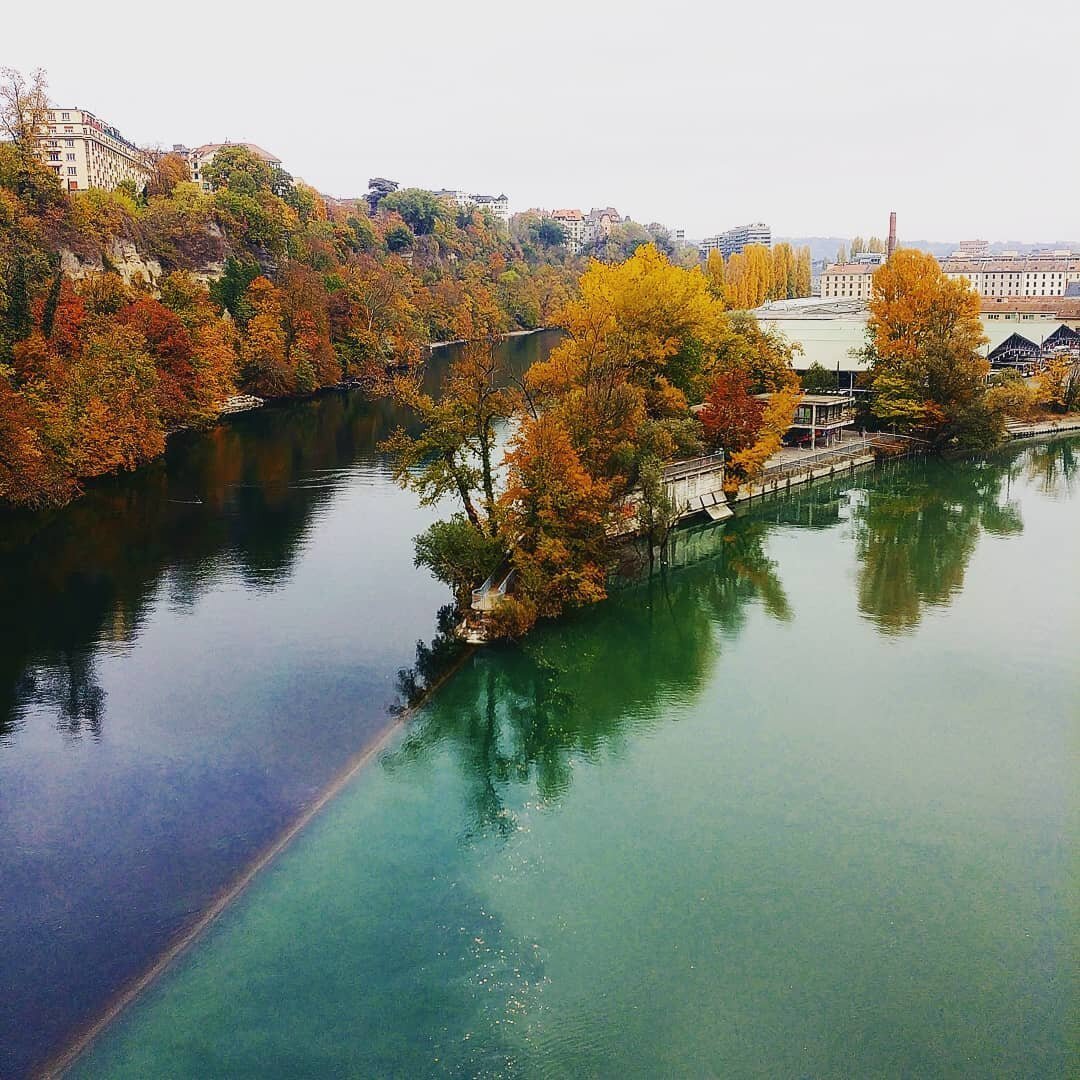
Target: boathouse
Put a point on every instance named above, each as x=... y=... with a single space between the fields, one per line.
x=819 y=419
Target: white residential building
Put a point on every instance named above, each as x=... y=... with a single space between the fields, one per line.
x=201 y=156
x=848 y=281
x=1025 y=275
x=85 y=152
x=573 y=223
x=498 y=205
x=736 y=240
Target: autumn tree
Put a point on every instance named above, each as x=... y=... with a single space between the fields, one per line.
x=419 y=209
x=454 y=452
x=818 y=380
x=24 y=105
x=264 y=368
x=928 y=377
x=640 y=340
x=166 y=171
x=731 y=415
x=748 y=464
x=1059 y=384
x=556 y=515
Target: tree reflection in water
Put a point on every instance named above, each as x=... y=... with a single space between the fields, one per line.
x=238 y=499
x=918 y=524
x=518 y=715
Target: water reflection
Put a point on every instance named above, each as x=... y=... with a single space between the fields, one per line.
x=520 y=714
x=187 y=655
x=918 y=525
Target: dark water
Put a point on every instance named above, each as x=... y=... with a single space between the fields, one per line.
x=187 y=655
x=799 y=808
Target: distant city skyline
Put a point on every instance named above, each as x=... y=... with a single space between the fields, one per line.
x=836 y=116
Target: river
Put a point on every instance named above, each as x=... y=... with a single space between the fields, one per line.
x=797 y=807
x=187 y=655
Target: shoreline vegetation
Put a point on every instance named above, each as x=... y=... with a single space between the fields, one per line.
x=128 y=315
x=654 y=369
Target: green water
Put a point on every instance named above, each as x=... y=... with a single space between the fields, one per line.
x=797 y=809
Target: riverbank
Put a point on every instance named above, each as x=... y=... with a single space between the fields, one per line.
x=503 y=337
x=1022 y=429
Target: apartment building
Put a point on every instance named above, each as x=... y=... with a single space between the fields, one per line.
x=573 y=223
x=848 y=281
x=600 y=222
x=201 y=156
x=85 y=152
x=497 y=205
x=734 y=241
x=1017 y=275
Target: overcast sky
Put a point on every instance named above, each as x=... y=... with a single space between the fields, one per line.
x=817 y=117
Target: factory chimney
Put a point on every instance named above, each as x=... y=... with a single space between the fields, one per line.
x=892 y=235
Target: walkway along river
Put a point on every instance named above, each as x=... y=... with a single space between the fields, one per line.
x=188 y=654
x=796 y=809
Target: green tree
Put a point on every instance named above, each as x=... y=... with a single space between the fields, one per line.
x=818 y=380
x=399 y=238
x=419 y=209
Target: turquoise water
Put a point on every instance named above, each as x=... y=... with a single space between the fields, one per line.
x=798 y=808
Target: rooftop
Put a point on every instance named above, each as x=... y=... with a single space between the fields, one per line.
x=850 y=268
x=997 y=265
x=258 y=151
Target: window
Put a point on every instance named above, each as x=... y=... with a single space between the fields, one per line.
x=70 y=157
x=72 y=171
x=69 y=142
x=65 y=116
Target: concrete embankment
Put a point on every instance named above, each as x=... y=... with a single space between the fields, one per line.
x=1030 y=429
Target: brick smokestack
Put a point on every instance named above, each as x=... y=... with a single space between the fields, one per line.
x=892 y=234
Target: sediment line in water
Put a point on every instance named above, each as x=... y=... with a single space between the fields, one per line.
x=59 y=1064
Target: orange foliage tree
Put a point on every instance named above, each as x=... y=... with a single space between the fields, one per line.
x=556 y=513
x=924 y=339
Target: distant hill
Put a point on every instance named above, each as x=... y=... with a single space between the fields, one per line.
x=824 y=248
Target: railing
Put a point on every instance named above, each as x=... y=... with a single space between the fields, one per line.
x=680 y=470
x=830 y=456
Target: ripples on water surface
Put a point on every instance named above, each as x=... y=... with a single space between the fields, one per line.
x=799 y=808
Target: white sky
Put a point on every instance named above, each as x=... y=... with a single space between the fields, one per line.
x=817 y=116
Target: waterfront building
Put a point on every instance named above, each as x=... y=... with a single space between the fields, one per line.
x=848 y=281
x=972 y=249
x=201 y=156
x=573 y=223
x=1023 y=276
x=1065 y=309
x=85 y=152
x=1063 y=339
x=819 y=419
x=733 y=241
